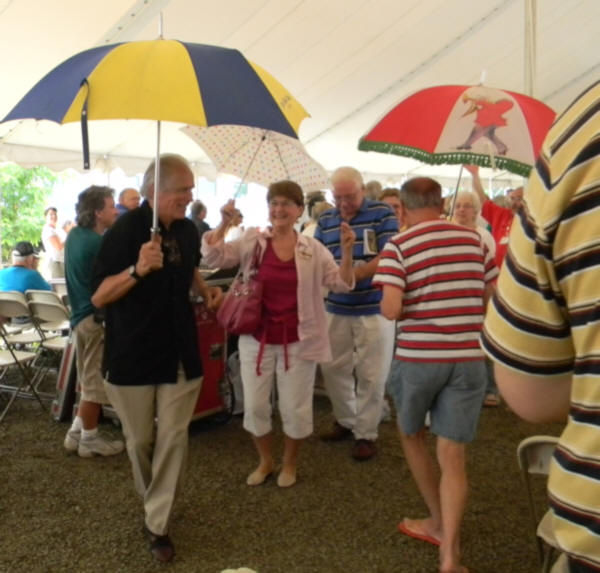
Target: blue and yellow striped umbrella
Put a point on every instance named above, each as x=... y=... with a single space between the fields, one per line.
x=162 y=80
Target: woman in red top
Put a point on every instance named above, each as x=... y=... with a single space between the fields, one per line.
x=292 y=336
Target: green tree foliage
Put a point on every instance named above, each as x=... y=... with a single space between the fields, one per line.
x=23 y=196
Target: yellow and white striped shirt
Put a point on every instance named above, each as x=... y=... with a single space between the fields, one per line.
x=545 y=317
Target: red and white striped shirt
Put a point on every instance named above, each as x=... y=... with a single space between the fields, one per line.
x=443 y=269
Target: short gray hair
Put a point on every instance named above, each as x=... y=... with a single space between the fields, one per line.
x=471 y=196
x=347 y=174
x=169 y=162
x=122 y=193
x=421 y=193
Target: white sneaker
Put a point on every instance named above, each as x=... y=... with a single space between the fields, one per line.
x=99 y=446
x=72 y=440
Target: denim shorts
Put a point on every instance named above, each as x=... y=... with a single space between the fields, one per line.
x=452 y=392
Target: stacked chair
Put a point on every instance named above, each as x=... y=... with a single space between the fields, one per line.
x=32 y=343
x=51 y=320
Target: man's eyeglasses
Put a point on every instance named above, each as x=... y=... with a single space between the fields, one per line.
x=346 y=198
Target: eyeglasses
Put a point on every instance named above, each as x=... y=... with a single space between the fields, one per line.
x=346 y=198
x=286 y=204
x=172 y=252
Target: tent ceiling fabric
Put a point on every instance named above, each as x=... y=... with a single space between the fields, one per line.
x=347 y=62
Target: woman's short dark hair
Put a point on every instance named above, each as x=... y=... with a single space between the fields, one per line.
x=389 y=192
x=47 y=209
x=288 y=189
x=90 y=201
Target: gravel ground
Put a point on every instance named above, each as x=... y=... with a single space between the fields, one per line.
x=63 y=513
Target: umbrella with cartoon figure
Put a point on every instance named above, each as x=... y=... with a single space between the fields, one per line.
x=479 y=125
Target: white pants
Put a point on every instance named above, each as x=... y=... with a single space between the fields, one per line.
x=157 y=460
x=355 y=378
x=388 y=328
x=294 y=388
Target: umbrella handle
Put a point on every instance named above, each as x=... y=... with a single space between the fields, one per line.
x=455 y=194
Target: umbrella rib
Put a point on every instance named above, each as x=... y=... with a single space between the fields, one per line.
x=287 y=173
x=264 y=136
x=236 y=151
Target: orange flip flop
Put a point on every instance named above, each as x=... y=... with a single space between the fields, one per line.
x=402 y=528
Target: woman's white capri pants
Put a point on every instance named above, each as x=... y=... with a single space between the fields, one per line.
x=294 y=388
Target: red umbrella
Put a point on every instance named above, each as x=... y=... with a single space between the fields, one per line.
x=464 y=124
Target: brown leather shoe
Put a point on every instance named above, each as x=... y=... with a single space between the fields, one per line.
x=161 y=547
x=336 y=434
x=363 y=450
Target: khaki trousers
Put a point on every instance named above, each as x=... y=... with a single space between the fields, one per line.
x=158 y=456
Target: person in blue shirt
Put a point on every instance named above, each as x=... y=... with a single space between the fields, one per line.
x=23 y=274
x=361 y=339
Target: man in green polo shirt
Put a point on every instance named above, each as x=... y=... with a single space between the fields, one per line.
x=96 y=212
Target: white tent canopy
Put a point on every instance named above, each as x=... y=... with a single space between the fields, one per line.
x=347 y=61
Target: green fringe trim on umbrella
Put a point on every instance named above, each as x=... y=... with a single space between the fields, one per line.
x=458 y=157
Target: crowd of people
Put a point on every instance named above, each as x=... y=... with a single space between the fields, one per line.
x=384 y=290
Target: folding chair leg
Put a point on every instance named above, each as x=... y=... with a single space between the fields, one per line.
x=25 y=381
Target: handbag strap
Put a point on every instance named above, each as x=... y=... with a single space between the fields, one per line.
x=252 y=269
x=255 y=259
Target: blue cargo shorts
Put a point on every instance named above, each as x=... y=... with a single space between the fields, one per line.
x=452 y=392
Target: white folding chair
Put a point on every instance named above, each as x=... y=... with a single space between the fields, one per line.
x=19 y=361
x=51 y=320
x=61 y=323
x=13 y=305
x=534 y=455
x=43 y=295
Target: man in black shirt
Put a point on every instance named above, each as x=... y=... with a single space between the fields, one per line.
x=151 y=361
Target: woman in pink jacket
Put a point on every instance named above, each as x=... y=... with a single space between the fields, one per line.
x=292 y=336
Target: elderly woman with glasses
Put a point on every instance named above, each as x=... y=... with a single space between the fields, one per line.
x=292 y=336
x=466 y=212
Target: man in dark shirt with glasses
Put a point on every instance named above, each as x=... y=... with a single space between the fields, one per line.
x=151 y=362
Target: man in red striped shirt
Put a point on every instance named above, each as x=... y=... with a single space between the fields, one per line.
x=436 y=277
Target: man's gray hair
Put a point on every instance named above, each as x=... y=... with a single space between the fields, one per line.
x=421 y=193
x=89 y=201
x=347 y=174
x=169 y=162
x=122 y=193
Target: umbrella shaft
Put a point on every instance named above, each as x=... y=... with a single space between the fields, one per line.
x=156 y=182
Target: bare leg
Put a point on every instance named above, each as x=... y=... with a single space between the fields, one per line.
x=265 y=463
x=475 y=134
x=423 y=469
x=453 y=498
x=287 y=477
x=89 y=412
x=500 y=145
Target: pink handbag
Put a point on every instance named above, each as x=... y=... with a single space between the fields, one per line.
x=241 y=309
